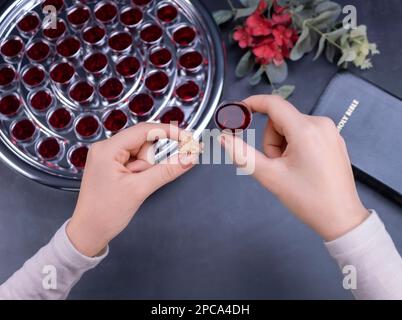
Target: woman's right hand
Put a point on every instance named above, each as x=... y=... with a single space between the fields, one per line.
x=305 y=163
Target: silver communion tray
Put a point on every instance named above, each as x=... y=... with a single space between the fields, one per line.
x=76 y=72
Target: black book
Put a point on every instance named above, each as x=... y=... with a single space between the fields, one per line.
x=370 y=120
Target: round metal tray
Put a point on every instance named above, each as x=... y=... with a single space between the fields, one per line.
x=24 y=155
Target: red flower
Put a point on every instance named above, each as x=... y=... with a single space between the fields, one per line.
x=268 y=52
x=262 y=6
x=284 y=36
x=270 y=39
x=277 y=8
x=241 y=35
x=283 y=19
x=257 y=25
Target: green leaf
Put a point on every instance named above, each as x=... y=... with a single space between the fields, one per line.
x=330 y=53
x=285 y=91
x=249 y=3
x=256 y=78
x=306 y=43
x=299 y=48
x=332 y=36
x=283 y=3
x=302 y=15
x=245 y=65
x=336 y=34
x=222 y=16
x=245 y=12
x=277 y=74
x=328 y=6
x=325 y=20
x=321 y=47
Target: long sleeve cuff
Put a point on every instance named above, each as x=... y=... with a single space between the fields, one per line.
x=370 y=250
x=51 y=272
x=70 y=256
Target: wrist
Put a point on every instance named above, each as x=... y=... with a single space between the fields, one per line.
x=85 y=238
x=345 y=220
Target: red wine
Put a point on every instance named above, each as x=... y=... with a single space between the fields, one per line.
x=161 y=57
x=53 y=34
x=96 y=63
x=151 y=33
x=120 y=41
x=128 y=67
x=49 y=148
x=68 y=47
x=87 y=126
x=115 y=121
x=191 y=60
x=33 y=76
x=62 y=73
x=184 y=36
x=94 y=34
x=78 y=16
x=82 y=92
x=187 y=91
x=111 y=89
x=233 y=116
x=23 y=130
x=60 y=119
x=29 y=24
x=41 y=100
x=173 y=115
x=106 y=13
x=78 y=157
x=141 y=105
x=131 y=17
x=167 y=13
x=38 y=51
x=7 y=75
x=9 y=105
x=12 y=47
x=157 y=82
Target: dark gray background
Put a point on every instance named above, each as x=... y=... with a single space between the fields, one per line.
x=212 y=234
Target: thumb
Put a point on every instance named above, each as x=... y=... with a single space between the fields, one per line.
x=167 y=171
x=247 y=159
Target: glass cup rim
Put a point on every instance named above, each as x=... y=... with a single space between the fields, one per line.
x=226 y=103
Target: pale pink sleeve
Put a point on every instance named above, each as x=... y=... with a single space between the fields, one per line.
x=51 y=272
x=371 y=251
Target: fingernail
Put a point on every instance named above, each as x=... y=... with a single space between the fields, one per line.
x=188 y=160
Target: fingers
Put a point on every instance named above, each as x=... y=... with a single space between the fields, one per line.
x=147 y=153
x=168 y=170
x=285 y=116
x=273 y=142
x=145 y=158
x=133 y=138
x=138 y=166
x=250 y=160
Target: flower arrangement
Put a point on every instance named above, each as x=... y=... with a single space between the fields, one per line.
x=274 y=31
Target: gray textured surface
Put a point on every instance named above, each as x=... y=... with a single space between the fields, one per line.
x=211 y=234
